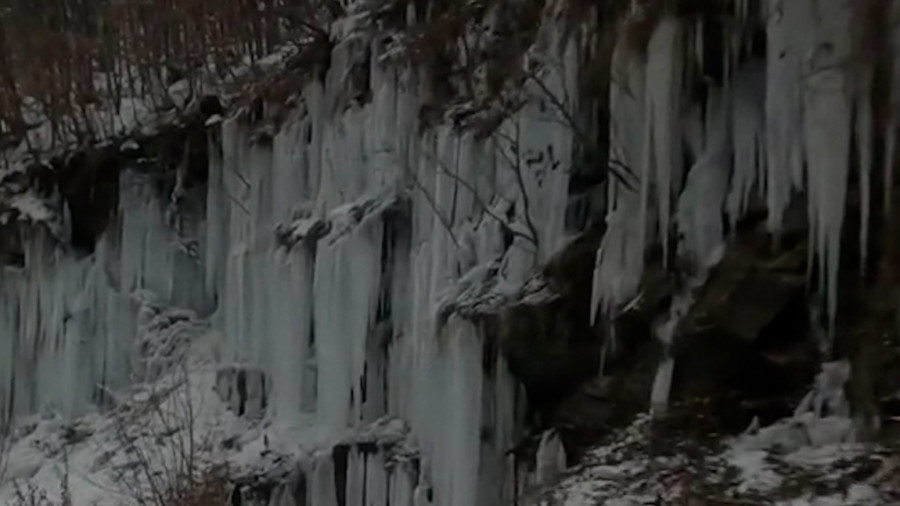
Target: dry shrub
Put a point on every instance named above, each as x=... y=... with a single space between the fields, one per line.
x=210 y=488
x=169 y=462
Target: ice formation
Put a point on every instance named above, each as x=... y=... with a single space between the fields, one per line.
x=775 y=124
x=332 y=256
x=551 y=457
x=799 y=140
x=321 y=265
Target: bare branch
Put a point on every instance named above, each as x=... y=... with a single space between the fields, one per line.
x=437 y=212
x=474 y=191
x=516 y=166
x=616 y=168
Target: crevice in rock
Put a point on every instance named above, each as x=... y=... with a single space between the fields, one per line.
x=340 y=457
x=89 y=184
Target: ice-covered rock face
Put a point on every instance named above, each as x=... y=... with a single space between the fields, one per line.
x=776 y=105
x=780 y=111
x=343 y=250
x=321 y=251
x=346 y=325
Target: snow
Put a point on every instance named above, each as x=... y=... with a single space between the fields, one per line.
x=775 y=465
x=93 y=451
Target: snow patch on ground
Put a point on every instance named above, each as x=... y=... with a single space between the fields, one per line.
x=810 y=459
x=631 y=470
x=100 y=456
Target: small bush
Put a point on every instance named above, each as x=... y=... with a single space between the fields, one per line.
x=168 y=462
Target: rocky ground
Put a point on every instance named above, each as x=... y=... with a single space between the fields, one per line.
x=634 y=468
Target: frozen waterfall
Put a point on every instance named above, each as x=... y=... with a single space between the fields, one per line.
x=332 y=248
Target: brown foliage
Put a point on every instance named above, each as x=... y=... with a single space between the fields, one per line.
x=63 y=56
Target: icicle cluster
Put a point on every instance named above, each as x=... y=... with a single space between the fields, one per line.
x=328 y=254
x=772 y=125
x=322 y=256
x=778 y=124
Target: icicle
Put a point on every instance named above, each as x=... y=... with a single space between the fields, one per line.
x=828 y=123
x=665 y=69
x=619 y=262
x=662 y=386
x=748 y=138
x=701 y=204
x=889 y=153
x=864 y=145
x=787 y=28
x=610 y=345
x=893 y=12
x=551 y=457
x=699 y=28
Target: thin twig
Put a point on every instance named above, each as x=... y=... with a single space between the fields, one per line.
x=440 y=216
x=560 y=107
x=478 y=199
x=516 y=166
x=613 y=166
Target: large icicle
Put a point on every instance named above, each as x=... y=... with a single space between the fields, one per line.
x=620 y=258
x=748 y=137
x=827 y=127
x=701 y=205
x=789 y=25
x=665 y=70
x=890 y=148
x=645 y=117
x=890 y=134
x=863 y=139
